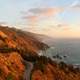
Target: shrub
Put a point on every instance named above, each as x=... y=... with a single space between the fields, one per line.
x=9 y=77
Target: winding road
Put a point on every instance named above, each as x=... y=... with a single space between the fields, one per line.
x=29 y=67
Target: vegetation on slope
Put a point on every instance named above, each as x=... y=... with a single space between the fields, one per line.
x=17 y=46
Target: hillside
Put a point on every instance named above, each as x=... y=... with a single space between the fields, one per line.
x=19 y=59
x=46 y=69
x=18 y=39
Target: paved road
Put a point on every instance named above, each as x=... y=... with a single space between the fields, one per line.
x=29 y=67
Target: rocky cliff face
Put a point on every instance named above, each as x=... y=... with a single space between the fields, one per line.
x=19 y=59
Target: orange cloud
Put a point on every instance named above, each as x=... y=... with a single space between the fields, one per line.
x=45 y=11
x=42 y=12
x=34 y=15
x=52 y=11
x=31 y=18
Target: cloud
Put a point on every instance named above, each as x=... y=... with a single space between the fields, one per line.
x=64 y=26
x=31 y=18
x=60 y=26
x=34 y=15
x=75 y=5
x=45 y=11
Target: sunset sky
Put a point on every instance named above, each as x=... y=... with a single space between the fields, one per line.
x=55 y=18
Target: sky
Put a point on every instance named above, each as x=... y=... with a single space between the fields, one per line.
x=55 y=18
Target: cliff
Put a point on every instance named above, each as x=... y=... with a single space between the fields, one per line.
x=19 y=59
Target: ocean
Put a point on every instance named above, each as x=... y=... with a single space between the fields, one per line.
x=67 y=50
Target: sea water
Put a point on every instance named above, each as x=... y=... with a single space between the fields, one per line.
x=67 y=49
